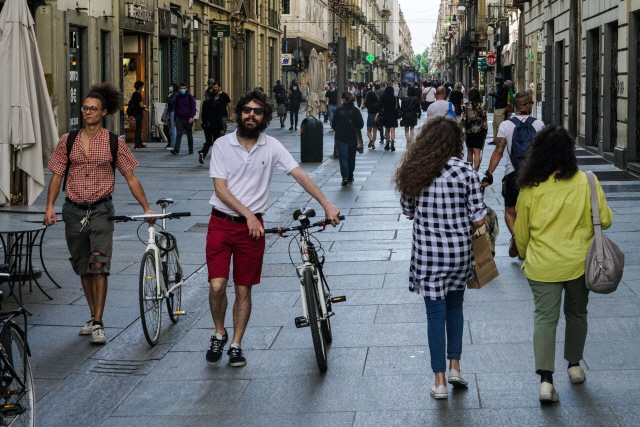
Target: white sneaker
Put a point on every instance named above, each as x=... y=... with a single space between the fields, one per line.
x=330 y=130
x=439 y=392
x=86 y=329
x=576 y=374
x=548 y=393
x=456 y=380
x=97 y=335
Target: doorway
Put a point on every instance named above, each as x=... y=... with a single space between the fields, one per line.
x=134 y=69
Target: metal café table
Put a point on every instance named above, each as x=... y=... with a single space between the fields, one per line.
x=18 y=254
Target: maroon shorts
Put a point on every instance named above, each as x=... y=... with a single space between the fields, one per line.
x=226 y=238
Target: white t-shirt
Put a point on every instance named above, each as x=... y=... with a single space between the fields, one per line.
x=430 y=93
x=248 y=174
x=506 y=131
x=438 y=108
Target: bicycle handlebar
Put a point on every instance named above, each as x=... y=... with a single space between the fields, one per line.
x=321 y=223
x=170 y=215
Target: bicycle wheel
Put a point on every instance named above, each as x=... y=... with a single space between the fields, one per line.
x=326 y=324
x=174 y=275
x=315 y=322
x=150 y=304
x=22 y=396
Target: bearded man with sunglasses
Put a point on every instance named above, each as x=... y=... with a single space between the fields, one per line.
x=241 y=167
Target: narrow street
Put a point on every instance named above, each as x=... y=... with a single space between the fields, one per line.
x=379 y=372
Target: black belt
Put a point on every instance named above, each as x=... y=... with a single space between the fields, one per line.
x=87 y=206
x=232 y=218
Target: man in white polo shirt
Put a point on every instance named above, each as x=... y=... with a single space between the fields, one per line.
x=241 y=167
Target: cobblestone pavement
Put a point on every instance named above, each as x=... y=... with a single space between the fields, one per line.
x=379 y=372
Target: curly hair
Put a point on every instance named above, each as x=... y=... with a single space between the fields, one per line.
x=439 y=140
x=552 y=151
x=111 y=98
x=259 y=98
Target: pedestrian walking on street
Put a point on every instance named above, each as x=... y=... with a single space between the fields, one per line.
x=410 y=113
x=442 y=195
x=380 y=92
x=295 y=105
x=501 y=100
x=185 y=111
x=212 y=124
x=428 y=95
x=510 y=100
x=456 y=98
x=280 y=94
x=170 y=115
x=86 y=160
x=372 y=104
x=475 y=125
x=241 y=167
x=554 y=230
x=331 y=101
x=515 y=135
x=347 y=123
x=136 y=109
x=441 y=107
x=389 y=117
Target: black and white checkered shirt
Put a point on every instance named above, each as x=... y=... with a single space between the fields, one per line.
x=442 y=253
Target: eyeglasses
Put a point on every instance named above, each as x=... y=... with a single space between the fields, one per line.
x=91 y=110
x=256 y=111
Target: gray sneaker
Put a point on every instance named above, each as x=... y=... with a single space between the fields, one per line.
x=86 y=329
x=97 y=335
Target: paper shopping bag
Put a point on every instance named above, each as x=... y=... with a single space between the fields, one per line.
x=485 y=269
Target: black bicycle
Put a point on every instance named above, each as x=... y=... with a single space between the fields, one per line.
x=314 y=290
x=18 y=399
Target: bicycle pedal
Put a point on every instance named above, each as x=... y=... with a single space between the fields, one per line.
x=182 y=313
x=12 y=410
x=338 y=299
x=301 y=322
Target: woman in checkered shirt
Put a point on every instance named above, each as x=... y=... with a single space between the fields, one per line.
x=442 y=195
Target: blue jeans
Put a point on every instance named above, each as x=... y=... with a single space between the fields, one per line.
x=331 y=109
x=440 y=313
x=347 y=154
x=173 y=131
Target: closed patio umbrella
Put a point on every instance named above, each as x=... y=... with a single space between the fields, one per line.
x=312 y=96
x=28 y=132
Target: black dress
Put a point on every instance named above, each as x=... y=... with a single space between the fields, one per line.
x=410 y=110
x=389 y=112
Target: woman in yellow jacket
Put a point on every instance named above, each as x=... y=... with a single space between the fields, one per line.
x=553 y=232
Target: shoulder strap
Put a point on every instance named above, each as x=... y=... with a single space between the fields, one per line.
x=530 y=120
x=595 y=212
x=515 y=121
x=113 y=145
x=71 y=139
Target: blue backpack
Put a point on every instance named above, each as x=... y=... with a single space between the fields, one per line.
x=521 y=140
x=451 y=113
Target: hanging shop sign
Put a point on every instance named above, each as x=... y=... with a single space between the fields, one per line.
x=220 y=30
x=138 y=17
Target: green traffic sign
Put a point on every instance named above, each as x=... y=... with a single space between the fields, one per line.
x=371 y=58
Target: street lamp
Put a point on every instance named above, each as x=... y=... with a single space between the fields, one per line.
x=353 y=25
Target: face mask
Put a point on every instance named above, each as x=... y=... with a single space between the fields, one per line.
x=142 y=90
x=170 y=89
x=332 y=89
x=183 y=91
x=295 y=88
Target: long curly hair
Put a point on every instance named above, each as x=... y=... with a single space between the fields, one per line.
x=111 y=98
x=552 y=152
x=259 y=98
x=439 y=140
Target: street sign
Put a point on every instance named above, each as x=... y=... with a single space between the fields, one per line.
x=371 y=58
x=220 y=30
x=485 y=53
x=491 y=60
x=331 y=64
x=286 y=59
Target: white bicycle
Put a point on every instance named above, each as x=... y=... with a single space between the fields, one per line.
x=161 y=255
x=314 y=290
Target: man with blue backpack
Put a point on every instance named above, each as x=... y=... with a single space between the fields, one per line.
x=515 y=135
x=441 y=107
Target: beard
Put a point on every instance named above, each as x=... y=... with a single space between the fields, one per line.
x=248 y=131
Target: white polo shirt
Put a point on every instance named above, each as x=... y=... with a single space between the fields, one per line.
x=430 y=93
x=248 y=174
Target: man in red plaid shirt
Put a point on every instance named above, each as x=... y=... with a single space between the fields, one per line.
x=90 y=182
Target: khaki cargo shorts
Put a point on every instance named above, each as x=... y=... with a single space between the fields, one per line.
x=97 y=236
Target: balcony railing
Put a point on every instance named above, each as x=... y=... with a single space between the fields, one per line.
x=274 y=18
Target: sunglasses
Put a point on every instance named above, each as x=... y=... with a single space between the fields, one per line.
x=256 y=111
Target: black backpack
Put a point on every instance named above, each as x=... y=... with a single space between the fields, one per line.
x=132 y=107
x=113 y=146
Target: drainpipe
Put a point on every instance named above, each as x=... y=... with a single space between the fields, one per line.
x=574 y=66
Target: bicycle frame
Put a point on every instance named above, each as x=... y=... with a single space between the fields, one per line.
x=304 y=250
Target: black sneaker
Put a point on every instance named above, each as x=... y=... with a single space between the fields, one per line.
x=345 y=182
x=190 y=151
x=201 y=157
x=214 y=354
x=174 y=152
x=236 y=358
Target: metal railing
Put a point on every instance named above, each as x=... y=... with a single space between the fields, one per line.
x=274 y=18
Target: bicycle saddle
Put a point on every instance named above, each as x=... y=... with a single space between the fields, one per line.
x=309 y=213
x=166 y=201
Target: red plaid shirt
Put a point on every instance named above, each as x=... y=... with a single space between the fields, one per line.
x=90 y=177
